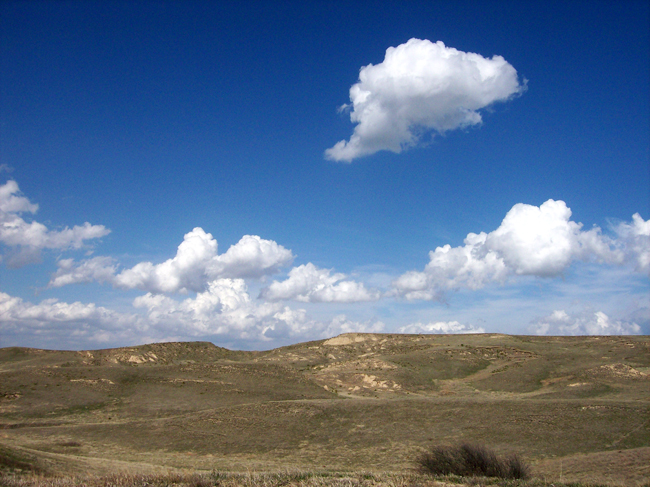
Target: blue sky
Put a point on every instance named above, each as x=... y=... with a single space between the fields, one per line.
x=215 y=125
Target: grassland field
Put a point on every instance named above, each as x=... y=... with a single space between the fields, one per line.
x=354 y=408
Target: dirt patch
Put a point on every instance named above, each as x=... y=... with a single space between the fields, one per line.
x=618 y=370
x=346 y=339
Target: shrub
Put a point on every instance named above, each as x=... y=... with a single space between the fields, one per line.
x=471 y=460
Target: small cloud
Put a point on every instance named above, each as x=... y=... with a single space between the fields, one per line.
x=586 y=322
x=421 y=87
x=440 y=327
x=27 y=239
x=340 y=324
x=11 y=200
x=97 y=269
x=635 y=238
x=307 y=283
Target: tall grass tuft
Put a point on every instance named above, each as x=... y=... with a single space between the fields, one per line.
x=471 y=460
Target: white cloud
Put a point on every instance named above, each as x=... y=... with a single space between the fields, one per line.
x=440 y=327
x=640 y=316
x=542 y=241
x=99 y=269
x=252 y=256
x=224 y=313
x=185 y=271
x=307 y=283
x=421 y=86
x=227 y=309
x=223 y=308
x=196 y=262
x=10 y=202
x=583 y=323
x=635 y=237
x=26 y=240
x=52 y=319
x=340 y=324
x=538 y=241
x=471 y=266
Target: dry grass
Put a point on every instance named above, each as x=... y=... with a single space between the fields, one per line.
x=360 y=402
x=222 y=479
x=280 y=479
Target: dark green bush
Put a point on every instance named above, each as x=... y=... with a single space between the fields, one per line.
x=471 y=460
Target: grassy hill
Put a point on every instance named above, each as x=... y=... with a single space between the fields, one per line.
x=575 y=407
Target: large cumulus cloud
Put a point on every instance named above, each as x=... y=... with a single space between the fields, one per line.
x=421 y=86
x=195 y=264
x=25 y=240
x=536 y=241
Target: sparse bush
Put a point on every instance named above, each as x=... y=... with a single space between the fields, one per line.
x=471 y=460
x=517 y=467
x=72 y=444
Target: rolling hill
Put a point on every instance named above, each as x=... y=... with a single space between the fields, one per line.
x=575 y=407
